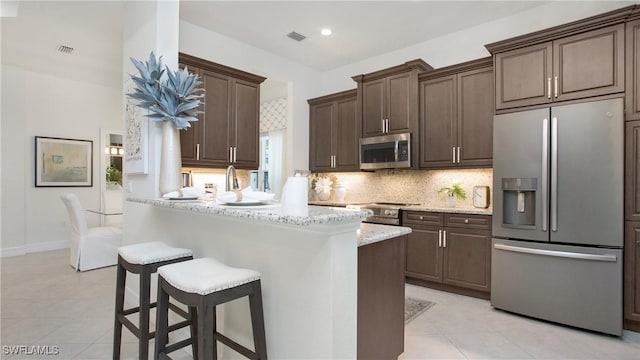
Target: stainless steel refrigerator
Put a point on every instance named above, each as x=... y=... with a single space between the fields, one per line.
x=558 y=214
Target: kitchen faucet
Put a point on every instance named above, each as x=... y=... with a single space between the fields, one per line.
x=231 y=170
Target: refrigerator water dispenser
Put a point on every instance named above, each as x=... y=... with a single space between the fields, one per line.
x=519 y=202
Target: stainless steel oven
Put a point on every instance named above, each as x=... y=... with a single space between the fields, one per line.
x=383 y=213
x=385 y=152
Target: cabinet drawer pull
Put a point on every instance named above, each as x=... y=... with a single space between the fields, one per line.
x=453 y=156
x=230 y=154
x=235 y=155
x=466 y=221
x=458 y=157
x=197 y=151
x=548 y=88
x=555 y=85
x=421 y=217
x=444 y=238
x=383 y=127
x=439 y=238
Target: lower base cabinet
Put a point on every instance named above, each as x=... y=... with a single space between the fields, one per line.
x=449 y=252
x=632 y=276
x=381 y=299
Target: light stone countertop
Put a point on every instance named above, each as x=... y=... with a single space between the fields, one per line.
x=417 y=207
x=273 y=213
x=372 y=233
x=476 y=211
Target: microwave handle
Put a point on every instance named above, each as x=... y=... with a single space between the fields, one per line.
x=396 y=150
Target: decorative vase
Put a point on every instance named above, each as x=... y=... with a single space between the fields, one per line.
x=323 y=195
x=170 y=159
x=340 y=191
x=451 y=201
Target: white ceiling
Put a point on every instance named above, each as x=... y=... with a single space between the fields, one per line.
x=361 y=29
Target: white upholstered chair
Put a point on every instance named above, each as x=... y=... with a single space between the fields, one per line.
x=91 y=248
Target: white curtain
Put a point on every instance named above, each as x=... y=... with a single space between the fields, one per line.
x=276 y=160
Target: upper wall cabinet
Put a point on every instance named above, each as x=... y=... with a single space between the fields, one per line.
x=227 y=132
x=632 y=101
x=334 y=132
x=456 y=116
x=388 y=101
x=578 y=60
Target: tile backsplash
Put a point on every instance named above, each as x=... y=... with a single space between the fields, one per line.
x=412 y=186
x=398 y=186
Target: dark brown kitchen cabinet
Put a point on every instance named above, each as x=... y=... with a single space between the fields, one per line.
x=388 y=101
x=632 y=276
x=632 y=171
x=333 y=132
x=189 y=137
x=467 y=260
x=456 y=116
x=424 y=254
x=632 y=95
x=632 y=227
x=559 y=68
x=386 y=105
x=381 y=299
x=227 y=132
x=449 y=252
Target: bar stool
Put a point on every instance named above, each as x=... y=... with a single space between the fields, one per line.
x=204 y=284
x=143 y=259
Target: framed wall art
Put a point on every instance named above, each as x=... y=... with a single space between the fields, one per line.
x=136 y=136
x=63 y=162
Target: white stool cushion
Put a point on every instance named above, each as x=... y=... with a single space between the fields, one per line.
x=151 y=252
x=205 y=276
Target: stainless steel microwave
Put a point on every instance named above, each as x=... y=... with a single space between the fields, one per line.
x=385 y=152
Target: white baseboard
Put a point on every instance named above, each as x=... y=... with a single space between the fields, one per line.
x=13 y=251
x=48 y=246
x=34 y=248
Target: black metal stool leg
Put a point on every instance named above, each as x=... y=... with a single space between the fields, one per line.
x=193 y=312
x=214 y=331
x=257 y=321
x=121 y=278
x=145 y=290
x=162 y=322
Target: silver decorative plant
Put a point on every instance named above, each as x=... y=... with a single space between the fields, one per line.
x=173 y=98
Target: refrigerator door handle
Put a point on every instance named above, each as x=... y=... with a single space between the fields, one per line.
x=554 y=174
x=563 y=254
x=545 y=173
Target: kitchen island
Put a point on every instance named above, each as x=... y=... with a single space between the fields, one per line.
x=309 y=266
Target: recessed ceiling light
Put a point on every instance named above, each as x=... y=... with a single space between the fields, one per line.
x=325 y=31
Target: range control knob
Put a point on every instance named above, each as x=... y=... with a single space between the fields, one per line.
x=390 y=212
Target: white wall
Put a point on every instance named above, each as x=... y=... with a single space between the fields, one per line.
x=35 y=104
x=467 y=44
x=148 y=26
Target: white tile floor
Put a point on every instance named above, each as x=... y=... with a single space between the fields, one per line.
x=44 y=302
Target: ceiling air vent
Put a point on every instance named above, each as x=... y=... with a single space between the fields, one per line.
x=65 y=49
x=295 y=36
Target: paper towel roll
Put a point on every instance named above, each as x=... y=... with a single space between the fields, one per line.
x=295 y=191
